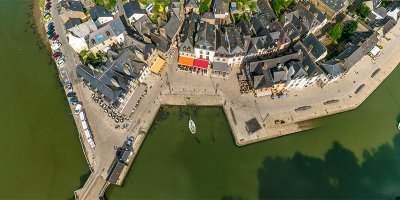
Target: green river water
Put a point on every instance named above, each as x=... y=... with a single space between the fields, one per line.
x=351 y=155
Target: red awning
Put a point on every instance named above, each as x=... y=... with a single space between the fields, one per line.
x=200 y=63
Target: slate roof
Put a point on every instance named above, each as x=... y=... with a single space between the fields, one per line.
x=132 y=7
x=307 y=61
x=71 y=5
x=138 y=46
x=332 y=68
x=301 y=14
x=335 y=5
x=98 y=11
x=144 y=25
x=244 y=28
x=260 y=24
x=220 y=7
x=192 y=3
x=205 y=37
x=360 y=47
x=220 y=66
x=314 y=46
x=172 y=26
x=229 y=41
x=72 y=22
x=261 y=42
x=84 y=29
x=112 y=78
x=188 y=33
x=112 y=29
x=291 y=31
x=266 y=9
x=208 y=15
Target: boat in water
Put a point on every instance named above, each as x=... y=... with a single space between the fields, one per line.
x=192 y=126
x=398 y=125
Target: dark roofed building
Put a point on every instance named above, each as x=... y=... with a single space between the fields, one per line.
x=332 y=7
x=191 y=6
x=72 y=22
x=71 y=9
x=361 y=46
x=100 y=15
x=171 y=27
x=315 y=48
x=133 y=11
x=113 y=80
x=304 y=19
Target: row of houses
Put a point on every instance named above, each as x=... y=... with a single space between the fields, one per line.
x=133 y=48
x=211 y=42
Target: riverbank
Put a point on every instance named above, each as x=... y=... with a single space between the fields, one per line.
x=40 y=32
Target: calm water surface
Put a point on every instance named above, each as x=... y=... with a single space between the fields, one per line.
x=40 y=154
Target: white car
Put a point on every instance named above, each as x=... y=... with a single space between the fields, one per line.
x=77 y=109
x=60 y=62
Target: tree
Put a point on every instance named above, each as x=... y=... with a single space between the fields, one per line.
x=253 y=6
x=336 y=31
x=279 y=5
x=350 y=28
x=363 y=11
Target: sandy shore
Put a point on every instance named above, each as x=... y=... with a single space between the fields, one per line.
x=38 y=26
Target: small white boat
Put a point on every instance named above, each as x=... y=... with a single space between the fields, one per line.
x=192 y=126
x=398 y=126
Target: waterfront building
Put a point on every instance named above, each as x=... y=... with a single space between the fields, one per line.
x=116 y=79
x=71 y=9
x=383 y=26
x=229 y=47
x=78 y=35
x=204 y=49
x=361 y=46
x=186 y=41
x=100 y=15
x=111 y=34
x=133 y=12
x=393 y=11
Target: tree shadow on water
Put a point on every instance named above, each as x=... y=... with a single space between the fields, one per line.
x=337 y=176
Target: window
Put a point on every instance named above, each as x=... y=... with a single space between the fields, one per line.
x=108 y=33
x=208 y=53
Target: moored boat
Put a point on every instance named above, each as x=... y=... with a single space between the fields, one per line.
x=192 y=126
x=398 y=125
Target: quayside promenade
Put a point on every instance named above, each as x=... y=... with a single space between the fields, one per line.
x=277 y=117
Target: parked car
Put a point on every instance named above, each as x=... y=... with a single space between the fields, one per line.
x=61 y=57
x=71 y=94
x=77 y=109
x=56 y=55
x=60 y=62
x=51 y=35
x=55 y=37
x=69 y=87
x=50 y=32
x=73 y=101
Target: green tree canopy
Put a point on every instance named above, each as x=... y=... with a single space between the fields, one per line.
x=280 y=5
x=350 y=28
x=363 y=11
x=336 y=31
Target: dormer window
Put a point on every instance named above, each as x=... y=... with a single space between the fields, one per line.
x=108 y=33
x=93 y=41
